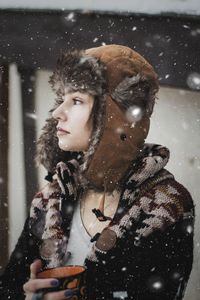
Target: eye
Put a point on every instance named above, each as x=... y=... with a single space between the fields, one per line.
x=77 y=101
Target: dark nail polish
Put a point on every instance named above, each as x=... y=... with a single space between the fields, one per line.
x=54 y=282
x=68 y=293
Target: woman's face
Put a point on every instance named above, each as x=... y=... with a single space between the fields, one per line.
x=74 y=126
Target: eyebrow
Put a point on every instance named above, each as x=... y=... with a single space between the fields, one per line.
x=79 y=96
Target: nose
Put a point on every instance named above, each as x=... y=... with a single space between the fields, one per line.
x=59 y=113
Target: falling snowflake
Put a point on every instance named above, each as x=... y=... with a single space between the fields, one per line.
x=195 y=32
x=31 y=116
x=119 y=130
x=70 y=17
x=189 y=229
x=18 y=255
x=193 y=81
x=134 y=114
x=176 y=275
x=148 y=44
x=155 y=283
x=186 y=26
x=69 y=209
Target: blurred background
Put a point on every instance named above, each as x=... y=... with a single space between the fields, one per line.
x=165 y=32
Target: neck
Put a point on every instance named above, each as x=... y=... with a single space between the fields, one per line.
x=93 y=198
x=98 y=208
x=93 y=221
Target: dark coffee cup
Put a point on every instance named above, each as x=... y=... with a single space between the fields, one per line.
x=69 y=277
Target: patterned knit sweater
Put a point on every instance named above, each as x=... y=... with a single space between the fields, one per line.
x=146 y=252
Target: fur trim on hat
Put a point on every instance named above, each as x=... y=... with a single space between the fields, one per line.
x=135 y=91
x=77 y=72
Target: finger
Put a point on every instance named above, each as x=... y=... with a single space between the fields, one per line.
x=35 y=284
x=67 y=294
x=35 y=267
x=27 y=297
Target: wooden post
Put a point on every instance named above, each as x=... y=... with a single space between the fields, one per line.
x=29 y=131
x=3 y=166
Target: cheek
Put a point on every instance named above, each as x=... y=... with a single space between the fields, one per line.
x=84 y=135
x=82 y=123
x=79 y=139
x=85 y=131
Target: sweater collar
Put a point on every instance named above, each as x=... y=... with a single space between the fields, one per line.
x=152 y=159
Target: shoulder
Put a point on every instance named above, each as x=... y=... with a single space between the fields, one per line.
x=169 y=195
x=166 y=203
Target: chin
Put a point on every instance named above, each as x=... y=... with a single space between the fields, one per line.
x=72 y=148
x=63 y=146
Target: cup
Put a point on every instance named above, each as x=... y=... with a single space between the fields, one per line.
x=69 y=277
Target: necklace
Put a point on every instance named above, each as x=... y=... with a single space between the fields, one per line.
x=88 y=220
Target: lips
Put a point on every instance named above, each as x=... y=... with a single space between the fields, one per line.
x=61 y=131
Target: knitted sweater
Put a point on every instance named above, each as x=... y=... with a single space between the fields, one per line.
x=145 y=253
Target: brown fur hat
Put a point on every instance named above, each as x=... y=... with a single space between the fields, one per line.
x=119 y=78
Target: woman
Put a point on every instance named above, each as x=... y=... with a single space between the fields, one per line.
x=110 y=204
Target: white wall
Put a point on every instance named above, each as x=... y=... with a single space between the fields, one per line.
x=175 y=124
x=139 y=6
x=16 y=196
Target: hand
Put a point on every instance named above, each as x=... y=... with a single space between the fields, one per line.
x=34 y=284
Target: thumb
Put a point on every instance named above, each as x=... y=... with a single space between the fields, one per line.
x=35 y=267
